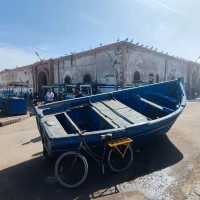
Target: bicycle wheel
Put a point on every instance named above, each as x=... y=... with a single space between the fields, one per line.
x=71 y=169
x=118 y=162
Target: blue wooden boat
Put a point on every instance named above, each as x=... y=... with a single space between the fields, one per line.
x=136 y=113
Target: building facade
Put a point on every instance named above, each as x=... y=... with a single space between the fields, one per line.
x=121 y=63
x=125 y=63
x=21 y=75
x=42 y=74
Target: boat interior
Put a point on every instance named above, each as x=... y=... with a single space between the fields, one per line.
x=109 y=111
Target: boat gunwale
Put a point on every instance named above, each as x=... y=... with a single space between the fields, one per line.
x=40 y=108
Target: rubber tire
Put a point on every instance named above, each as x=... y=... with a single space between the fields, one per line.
x=112 y=168
x=84 y=160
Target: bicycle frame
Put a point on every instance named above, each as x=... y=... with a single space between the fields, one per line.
x=109 y=146
x=96 y=157
x=106 y=144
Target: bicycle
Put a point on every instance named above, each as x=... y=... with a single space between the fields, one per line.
x=71 y=168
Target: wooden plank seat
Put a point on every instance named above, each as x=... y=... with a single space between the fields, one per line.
x=56 y=128
x=155 y=105
x=109 y=120
x=61 y=125
x=108 y=113
x=119 y=113
x=126 y=112
x=171 y=100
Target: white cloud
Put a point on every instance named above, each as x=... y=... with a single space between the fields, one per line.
x=159 y=5
x=165 y=6
x=12 y=56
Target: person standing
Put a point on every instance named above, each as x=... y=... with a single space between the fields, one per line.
x=77 y=93
x=49 y=96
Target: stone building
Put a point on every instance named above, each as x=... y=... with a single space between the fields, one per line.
x=122 y=63
x=21 y=75
x=125 y=63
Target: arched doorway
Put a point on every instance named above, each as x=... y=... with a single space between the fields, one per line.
x=42 y=80
x=87 y=79
x=136 y=77
x=67 y=80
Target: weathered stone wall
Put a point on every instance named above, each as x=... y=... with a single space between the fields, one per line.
x=145 y=62
x=125 y=63
x=97 y=64
x=74 y=67
x=153 y=65
x=18 y=75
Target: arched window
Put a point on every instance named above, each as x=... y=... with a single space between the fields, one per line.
x=136 y=77
x=67 y=80
x=87 y=78
x=157 y=78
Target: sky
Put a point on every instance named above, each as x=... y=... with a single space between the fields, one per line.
x=57 y=27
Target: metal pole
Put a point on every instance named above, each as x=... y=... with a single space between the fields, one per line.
x=38 y=55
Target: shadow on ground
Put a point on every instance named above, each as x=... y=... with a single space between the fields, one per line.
x=34 y=179
x=34 y=140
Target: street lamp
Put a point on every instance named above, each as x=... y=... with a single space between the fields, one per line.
x=38 y=55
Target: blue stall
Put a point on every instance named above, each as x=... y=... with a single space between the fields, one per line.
x=13 y=99
x=15 y=106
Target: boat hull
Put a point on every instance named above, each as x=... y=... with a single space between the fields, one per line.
x=140 y=134
x=153 y=115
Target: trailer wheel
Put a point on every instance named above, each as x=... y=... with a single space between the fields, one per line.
x=118 y=162
x=71 y=169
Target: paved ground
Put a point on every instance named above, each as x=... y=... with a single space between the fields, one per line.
x=166 y=169
x=4 y=121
